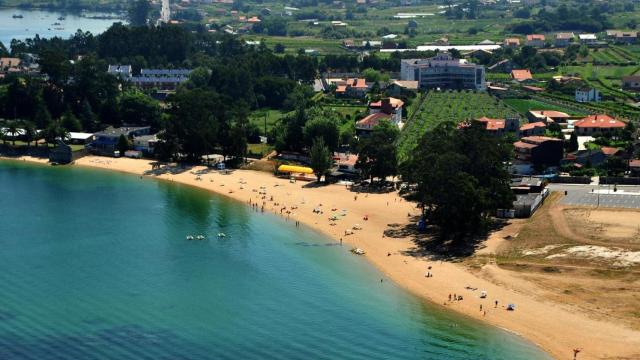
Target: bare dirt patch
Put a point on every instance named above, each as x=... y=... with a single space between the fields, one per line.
x=584 y=258
x=607 y=226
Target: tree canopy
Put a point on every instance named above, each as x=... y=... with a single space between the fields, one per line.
x=461 y=178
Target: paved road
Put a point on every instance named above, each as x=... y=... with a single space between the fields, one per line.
x=603 y=196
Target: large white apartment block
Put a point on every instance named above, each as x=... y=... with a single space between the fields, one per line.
x=443 y=71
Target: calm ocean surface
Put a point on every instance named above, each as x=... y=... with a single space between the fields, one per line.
x=95 y=265
x=41 y=23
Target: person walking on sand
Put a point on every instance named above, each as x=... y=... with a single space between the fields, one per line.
x=480 y=307
x=496 y=304
x=449 y=297
x=575 y=353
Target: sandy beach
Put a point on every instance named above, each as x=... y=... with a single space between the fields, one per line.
x=557 y=328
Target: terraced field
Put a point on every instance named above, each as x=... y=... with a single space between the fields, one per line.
x=456 y=106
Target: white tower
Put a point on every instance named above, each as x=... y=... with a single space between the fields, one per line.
x=165 y=13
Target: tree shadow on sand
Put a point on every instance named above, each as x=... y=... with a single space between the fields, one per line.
x=160 y=168
x=431 y=244
x=375 y=188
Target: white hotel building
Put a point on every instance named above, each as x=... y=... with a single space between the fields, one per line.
x=443 y=71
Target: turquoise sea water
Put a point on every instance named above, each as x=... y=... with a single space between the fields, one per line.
x=95 y=265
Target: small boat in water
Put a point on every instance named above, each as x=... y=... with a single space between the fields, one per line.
x=190 y=237
x=221 y=235
x=18 y=16
x=200 y=237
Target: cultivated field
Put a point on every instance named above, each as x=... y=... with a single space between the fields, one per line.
x=456 y=106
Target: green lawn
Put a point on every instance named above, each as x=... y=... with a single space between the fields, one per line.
x=456 y=106
x=524 y=105
x=272 y=117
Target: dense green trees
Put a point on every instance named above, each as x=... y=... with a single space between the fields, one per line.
x=461 y=178
x=377 y=152
x=135 y=107
x=320 y=158
x=138 y=13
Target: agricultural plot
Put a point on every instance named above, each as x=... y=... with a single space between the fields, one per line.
x=524 y=105
x=455 y=106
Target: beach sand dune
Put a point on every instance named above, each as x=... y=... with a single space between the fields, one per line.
x=557 y=328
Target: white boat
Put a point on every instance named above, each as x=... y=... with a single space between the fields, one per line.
x=189 y=237
x=221 y=235
x=357 y=251
x=200 y=237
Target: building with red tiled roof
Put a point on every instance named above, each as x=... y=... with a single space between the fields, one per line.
x=610 y=151
x=499 y=126
x=512 y=42
x=535 y=40
x=600 y=123
x=351 y=87
x=390 y=106
x=537 y=128
x=521 y=75
x=539 y=150
x=367 y=123
x=253 y=20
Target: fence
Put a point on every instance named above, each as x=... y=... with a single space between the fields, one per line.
x=611 y=180
x=571 y=180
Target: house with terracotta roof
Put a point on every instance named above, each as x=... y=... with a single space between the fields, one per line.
x=610 y=151
x=539 y=150
x=499 y=127
x=521 y=75
x=390 y=106
x=598 y=124
x=351 y=87
x=253 y=20
x=537 y=128
x=513 y=42
x=535 y=40
x=10 y=65
x=366 y=124
x=547 y=116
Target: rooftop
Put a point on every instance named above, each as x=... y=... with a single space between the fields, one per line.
x=535 y=37
x=395 y=103
x=532 y=125
x=371 y=121
x=549 y=113
x=521 y=75
x=492 y=124
x=599 y=121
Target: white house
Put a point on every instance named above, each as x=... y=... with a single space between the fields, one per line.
x=587 y=95
x=588 y=39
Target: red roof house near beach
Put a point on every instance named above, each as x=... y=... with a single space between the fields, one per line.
x=600 y=123
x=521 y=75
x=367 y=123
